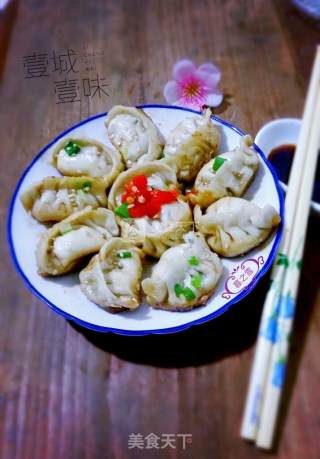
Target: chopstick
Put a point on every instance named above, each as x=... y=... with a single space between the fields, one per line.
x=269 y=315
x=263 y=394
x=280 y=349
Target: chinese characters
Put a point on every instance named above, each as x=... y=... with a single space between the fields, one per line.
x=64 y=67
x=153 y=441
x=242 y=276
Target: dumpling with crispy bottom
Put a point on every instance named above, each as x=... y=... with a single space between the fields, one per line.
x=233 y=226
x=63 y=247
x=134 y=134
x=79 y=156
x=185 y=276
x=228 y=174
x=112 y=277
x=190 y=145
x=55 y=198
x=165 y=229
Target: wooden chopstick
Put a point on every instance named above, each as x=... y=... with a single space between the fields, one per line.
x=264 y=348
x=280 y=349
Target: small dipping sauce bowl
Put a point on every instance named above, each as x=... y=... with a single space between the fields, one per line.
x=278 y=139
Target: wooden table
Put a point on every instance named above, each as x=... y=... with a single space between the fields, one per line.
x=70 y=393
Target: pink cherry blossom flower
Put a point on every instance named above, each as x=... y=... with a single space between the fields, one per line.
x=194 y=86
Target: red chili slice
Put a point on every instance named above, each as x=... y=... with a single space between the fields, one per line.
x=165 y=197
x=145 y=200
x=140 y=181
x=149 y=209
x=153 y=208
x=137 y=186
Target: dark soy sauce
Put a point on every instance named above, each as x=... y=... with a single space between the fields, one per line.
x=281 y=158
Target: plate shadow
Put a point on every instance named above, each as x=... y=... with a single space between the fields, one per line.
x=230 y=333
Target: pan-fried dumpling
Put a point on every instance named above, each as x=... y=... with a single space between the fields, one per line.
x=112 y=277
x=228 y=174
x=134 y=134
x=55 y=198
x=233 y=226
x=86 y=157
x=62 y=247
x=190 y=145
x=149 y=208
x=185 y=276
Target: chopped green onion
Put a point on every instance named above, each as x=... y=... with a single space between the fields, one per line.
x=86 y=186
x=193 y=261
x=196 y=281
x=72 y=148
x=188 y=294
x=217 y=163
x=122 y=211
x=124 y=255
x=178 y=290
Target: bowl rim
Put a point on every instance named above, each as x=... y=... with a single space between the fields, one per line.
x=273 y=124
x=297 y=122
x=174 y=329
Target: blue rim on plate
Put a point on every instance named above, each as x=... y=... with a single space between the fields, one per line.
x=153 y=331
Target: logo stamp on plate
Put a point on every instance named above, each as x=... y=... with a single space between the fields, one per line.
x=242 y=276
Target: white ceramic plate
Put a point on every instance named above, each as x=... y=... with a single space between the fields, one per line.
x=63 y=294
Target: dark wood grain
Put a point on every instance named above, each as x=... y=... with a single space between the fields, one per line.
x=70 y=393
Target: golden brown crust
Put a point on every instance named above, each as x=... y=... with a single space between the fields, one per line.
x=45 y=211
